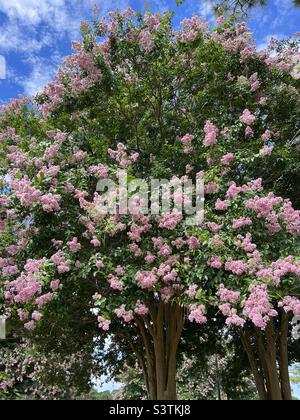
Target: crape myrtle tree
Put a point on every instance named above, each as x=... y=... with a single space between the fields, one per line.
x=138 y=99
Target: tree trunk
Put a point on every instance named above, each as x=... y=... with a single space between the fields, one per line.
x=271 y=358
x=257 y=373
x=271 y=378
x=166 y=336
x=284 y=358
x=161 y=337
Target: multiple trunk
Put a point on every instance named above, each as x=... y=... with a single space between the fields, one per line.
x=268 y=356
x=161 y=334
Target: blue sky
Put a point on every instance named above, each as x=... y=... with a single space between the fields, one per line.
x=36 y=34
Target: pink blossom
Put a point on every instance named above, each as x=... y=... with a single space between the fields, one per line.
x=100 y=171
x=141 y=309
x=266 y=150
x=95 y=242
x=211 y=133
x=54 y=285
x=234 y=319
x=215 y=262
x=187 y=139
x=74 y=245
x=104 y=324
x=23 y=314
x=147 y=279
x=247 y=118
x=211 y=188
x=192 y=290
x=246 y=243
x=30 y=326
x=99 y=264
x=236 y=267
x=80 y=155
x=267 y=135
x=150 y=258
x=42 y=300
x=241 y=222
x=258 y=307
x=290 y=304
x=193 y=242
x=249 y=132
x=228 y=296
x=50 y=202
x=169 y=221
x=197 y=314
x=36 y=316
x=146 y=41
x=165 y=251
x=115 y=283
x=227 y=159
x=221 y=205
x=214 y=227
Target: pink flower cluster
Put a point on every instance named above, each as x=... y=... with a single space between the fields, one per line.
x=169 y=221
x=146 y=41
x=227 y=159
x=258 y=307
x=59 y=259
x=192 y=291
x=245 y=242
x=228 y=296
x=121 y=312
x=100 y=171
x=279 y=269
x=104 y=324
x=141 y=309
x=211 y=133
x=267 y=135
x=197 y=314
x=187 y=142
x=242 y=222
x=251 y=186
x=255 y=83
x=29 y=195
x=74 y=245
x=265 y=208
x=146 y=279
x=215 y=262
x=115 y=283
x=291 y=217
x=121 y=157
x=211 y=188
x=247 y=118
x=236 y=267
x=266 y=151
x=221 y=205
x=290 y=304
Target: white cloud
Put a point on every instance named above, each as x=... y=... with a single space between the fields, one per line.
x=31 y=12
x=17 y=38
x=206 y=10
x=43 y=71
x=2 y=67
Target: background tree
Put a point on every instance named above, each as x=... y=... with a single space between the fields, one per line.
x=243 y=6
